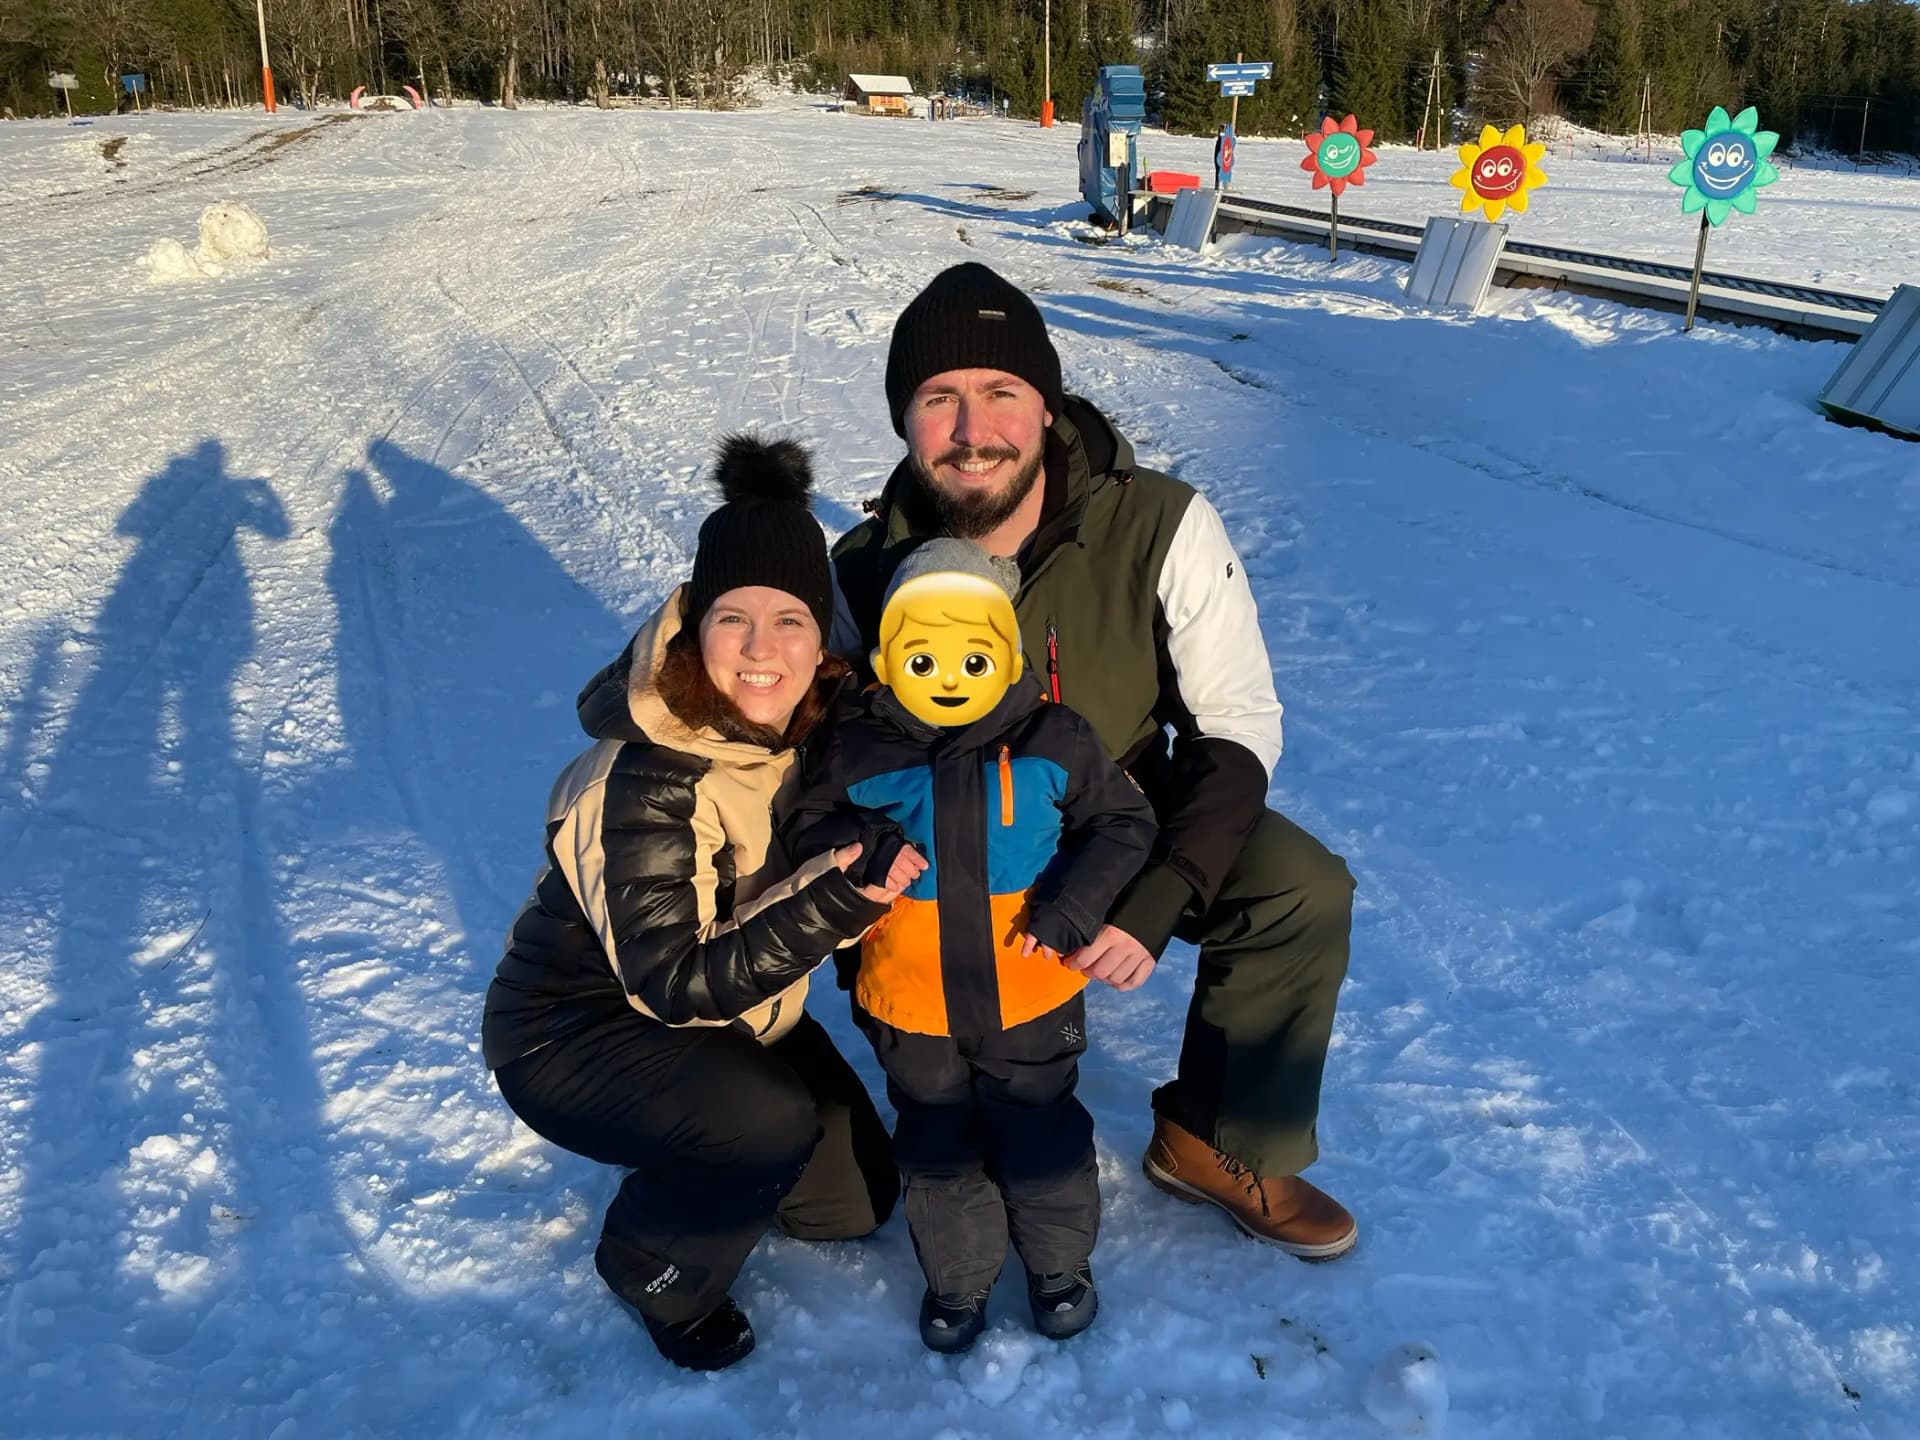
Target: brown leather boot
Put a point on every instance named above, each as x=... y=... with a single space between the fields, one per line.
x=1283 y=1210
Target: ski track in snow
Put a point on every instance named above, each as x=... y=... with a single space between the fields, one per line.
x=1596 y=643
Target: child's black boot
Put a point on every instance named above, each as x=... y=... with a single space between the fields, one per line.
x=951 y=1323
x=1063 y=1304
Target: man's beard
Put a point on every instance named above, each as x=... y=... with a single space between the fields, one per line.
x=977 y=514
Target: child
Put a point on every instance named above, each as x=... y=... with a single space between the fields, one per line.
x=1031 y=832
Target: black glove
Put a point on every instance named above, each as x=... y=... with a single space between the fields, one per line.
x=881 y=846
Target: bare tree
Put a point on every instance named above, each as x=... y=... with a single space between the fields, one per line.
x=430 y=33
x=672 y=42
x=499 y=30
x=1527 y=43
x=24 y=22
x=311 y=35
x=119 y=31
x=599 y=35
x=720 y=58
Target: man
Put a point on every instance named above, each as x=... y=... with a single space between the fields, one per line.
x=1135 y=611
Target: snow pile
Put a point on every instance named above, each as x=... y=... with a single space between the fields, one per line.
x=169 y=260
x=1407 y=1391
x=232 y=231
x=228 y=231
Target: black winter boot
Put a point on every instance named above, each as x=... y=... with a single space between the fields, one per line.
x=951 y=1323
x=719 y=1338
x=1063 y=1304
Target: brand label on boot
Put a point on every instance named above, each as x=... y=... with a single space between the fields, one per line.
x=665 y=1278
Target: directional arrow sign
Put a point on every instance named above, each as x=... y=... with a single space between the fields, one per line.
x=1246 y=70
x=1230 y=88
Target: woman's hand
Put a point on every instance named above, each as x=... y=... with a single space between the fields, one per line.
x=908 y=866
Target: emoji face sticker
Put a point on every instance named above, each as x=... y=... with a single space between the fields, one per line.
x=1338 y=154
x=1496 y=173
x=1725 y=165
x=949 y=647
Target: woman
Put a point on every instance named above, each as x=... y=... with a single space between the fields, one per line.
x=648 y=1011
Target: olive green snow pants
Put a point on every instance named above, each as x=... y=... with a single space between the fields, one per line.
x=1273 y=952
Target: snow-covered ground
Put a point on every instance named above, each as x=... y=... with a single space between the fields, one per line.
x=1598 y=646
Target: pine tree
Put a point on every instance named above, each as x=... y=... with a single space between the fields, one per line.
x=1690 y=74
x=1190 y=104
x=1289 y=102
x=1371 y=68
x=1609 y=80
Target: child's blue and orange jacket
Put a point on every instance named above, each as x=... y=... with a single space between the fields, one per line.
x=1027 y=825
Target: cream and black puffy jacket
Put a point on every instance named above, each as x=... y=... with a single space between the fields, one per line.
x=664 y=892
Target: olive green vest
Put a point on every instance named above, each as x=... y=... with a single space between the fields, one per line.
x=1089 y=614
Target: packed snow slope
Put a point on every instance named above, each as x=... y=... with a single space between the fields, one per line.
x=1598 y=648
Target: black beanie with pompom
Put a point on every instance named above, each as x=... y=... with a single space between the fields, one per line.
x=763 y=533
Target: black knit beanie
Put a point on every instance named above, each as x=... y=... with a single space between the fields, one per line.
x=763 y=533
x=969 y=318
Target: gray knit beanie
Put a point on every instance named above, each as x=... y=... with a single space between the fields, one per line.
x=948 y=556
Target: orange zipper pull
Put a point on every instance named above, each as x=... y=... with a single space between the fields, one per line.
x=1006 y=786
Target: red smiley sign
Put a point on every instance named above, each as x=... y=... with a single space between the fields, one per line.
x=1498 y=173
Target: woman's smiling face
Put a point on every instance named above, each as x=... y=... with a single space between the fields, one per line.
x=761 y=649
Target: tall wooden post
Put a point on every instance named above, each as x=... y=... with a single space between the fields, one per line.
x=1431 y=106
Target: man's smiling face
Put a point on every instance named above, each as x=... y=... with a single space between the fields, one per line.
x=977 y=439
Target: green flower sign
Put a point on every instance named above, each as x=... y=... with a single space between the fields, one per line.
x=1726 y=165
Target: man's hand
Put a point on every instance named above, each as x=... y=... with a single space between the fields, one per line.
x=907 y=867
x=1031 y=945
x=1114 y=957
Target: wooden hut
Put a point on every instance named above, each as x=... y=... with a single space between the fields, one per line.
x=879 y=94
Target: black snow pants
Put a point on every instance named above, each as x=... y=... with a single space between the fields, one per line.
x=723 y=1136
x=993 y=1144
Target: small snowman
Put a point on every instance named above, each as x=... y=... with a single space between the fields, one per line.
x=1407 y=1391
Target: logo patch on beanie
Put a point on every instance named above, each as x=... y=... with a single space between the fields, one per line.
x=993 y=314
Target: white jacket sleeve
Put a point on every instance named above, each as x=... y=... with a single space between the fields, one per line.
x=1219 y=655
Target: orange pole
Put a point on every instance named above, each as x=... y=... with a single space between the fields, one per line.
x=1046 y=83
x=266 y=69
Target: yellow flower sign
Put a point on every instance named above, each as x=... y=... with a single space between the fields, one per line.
x=1496 y=174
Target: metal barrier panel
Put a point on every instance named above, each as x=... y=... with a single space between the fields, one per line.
x=1193 y=215
x=1879 y=381
x=1455 y=263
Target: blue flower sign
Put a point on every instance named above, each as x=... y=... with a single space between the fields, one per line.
x=1725 y=165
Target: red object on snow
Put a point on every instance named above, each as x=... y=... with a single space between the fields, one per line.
x=1167 y=182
